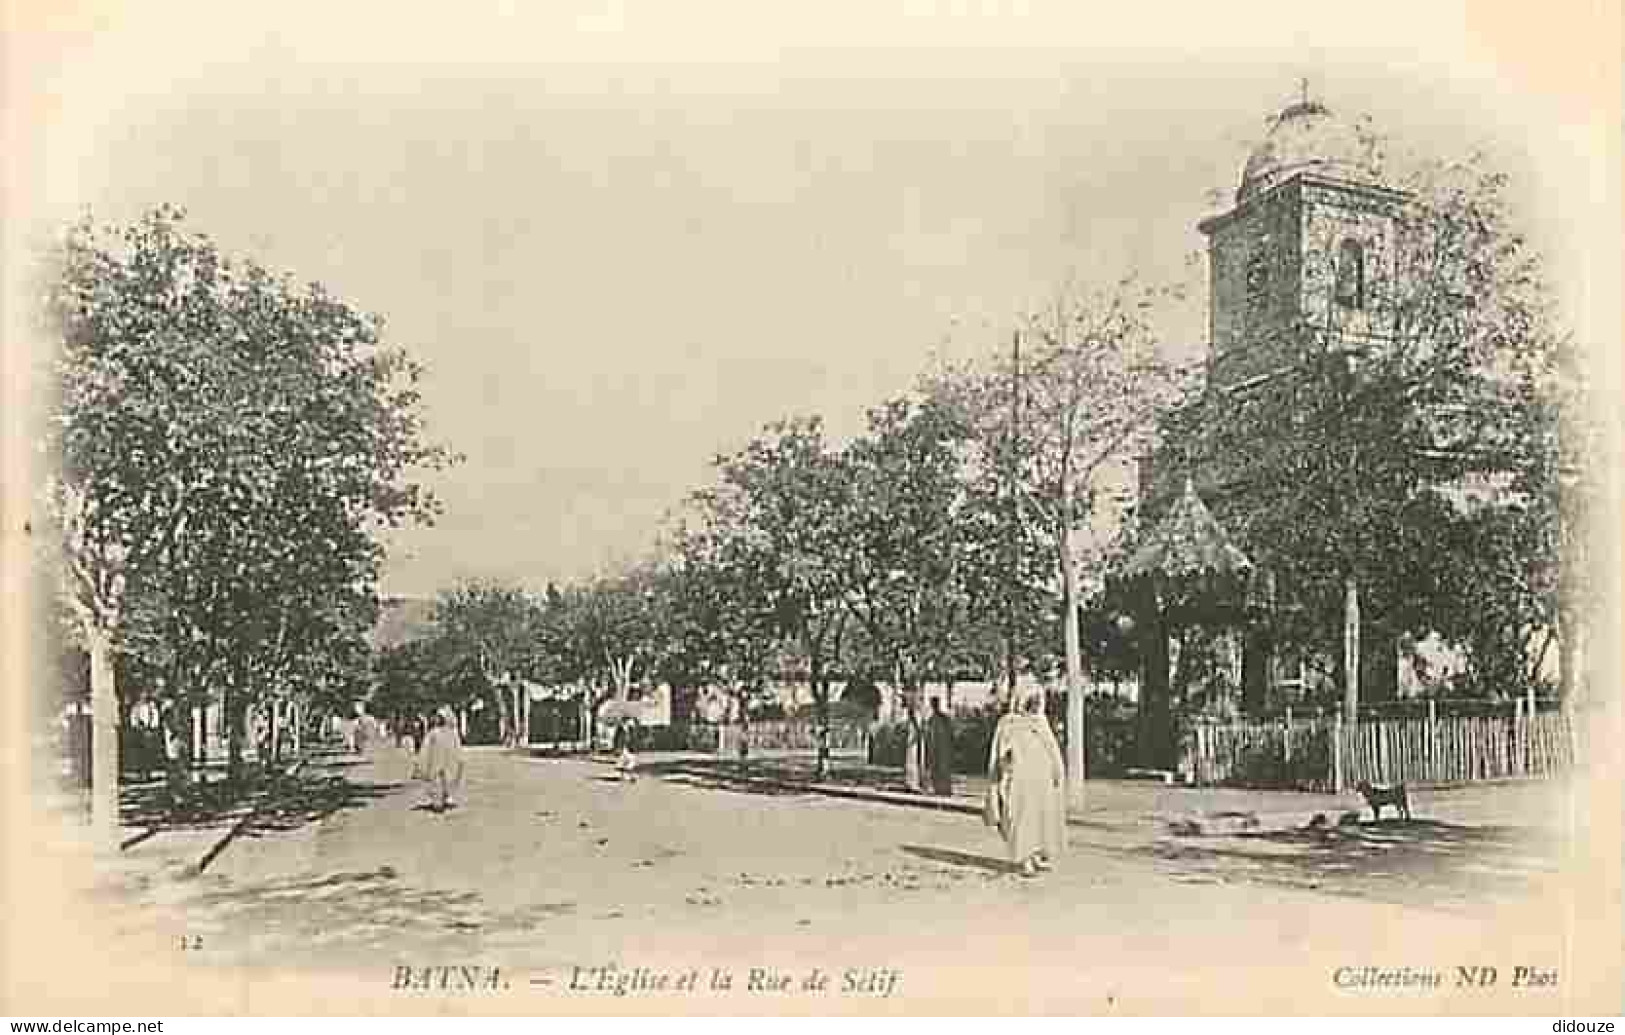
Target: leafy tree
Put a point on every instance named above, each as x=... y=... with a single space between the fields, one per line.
x=767 y=546
x=726 y=631
x=901 y=524
x=1087 y=389
x=415 y=678
x=495 y=626
x=410 y=677
x=227 y=447
x=608 y=634
x=1406 y=477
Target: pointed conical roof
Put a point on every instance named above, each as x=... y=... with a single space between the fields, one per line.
x=1188 y=542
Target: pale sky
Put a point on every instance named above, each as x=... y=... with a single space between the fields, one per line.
x=624 y=242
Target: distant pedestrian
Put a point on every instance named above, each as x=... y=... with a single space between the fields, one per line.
x=440 y=760
x=939 y=750
x=1027 y=775
x=626 y=749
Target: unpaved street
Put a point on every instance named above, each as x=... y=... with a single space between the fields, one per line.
x=551 y=868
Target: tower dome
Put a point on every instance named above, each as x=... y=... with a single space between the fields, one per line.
x=1307 y=137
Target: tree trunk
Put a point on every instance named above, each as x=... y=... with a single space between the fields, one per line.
x=277 y=716
x=1258 y=654
x=1074 y=674
x=743 y=701
x=1351 y=649
x=198 y=727
x=912 y=778
x=104 y=765
x=820 y=691
x=1255 y=671
x=235 y=713
x=1379 y=662
x=503 y=700
x=1156 y=725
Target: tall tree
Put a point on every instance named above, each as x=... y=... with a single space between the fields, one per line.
x=773 y=520
x=725 y=629
x=1089 y=383
x=1390 y=474
x=900 y=566
x=495 y=625
x=217 y=432
x=610 y=633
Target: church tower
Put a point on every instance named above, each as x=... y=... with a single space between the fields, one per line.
x=1306 y=257
x=1306 y=260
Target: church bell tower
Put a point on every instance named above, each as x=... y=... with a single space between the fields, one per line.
x=1306 y=257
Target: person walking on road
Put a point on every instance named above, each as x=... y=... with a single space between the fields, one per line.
x=627 y=762
x=1027 y=775
x=440 y=760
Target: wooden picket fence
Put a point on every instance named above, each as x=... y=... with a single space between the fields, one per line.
x=1263 y=754
x=1320 y=753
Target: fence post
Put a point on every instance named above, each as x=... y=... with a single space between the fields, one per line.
x=1531 y=738
x=1337 y=752
x=1435 y=769
x=1508 y=741
x=1523 y=722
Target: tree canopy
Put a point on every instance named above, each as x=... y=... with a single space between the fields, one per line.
x=1424 y=465
x=227 y=449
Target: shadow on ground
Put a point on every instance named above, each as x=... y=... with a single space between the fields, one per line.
x=278 y=801
x=731 y=773
x=734 y=785
x=1415 y=860
x=721 y=776
x=366 y=898
x=299 y=800
x=952 y=857
x=359 y=908
x=551 y=751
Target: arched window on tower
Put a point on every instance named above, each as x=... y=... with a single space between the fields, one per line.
x=1351 y=274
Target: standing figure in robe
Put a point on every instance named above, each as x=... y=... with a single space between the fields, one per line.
x=1028 y=776
x=440 y=760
